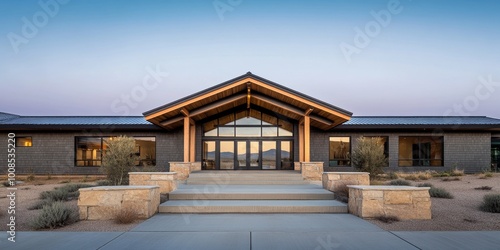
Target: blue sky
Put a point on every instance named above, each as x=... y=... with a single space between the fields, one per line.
x=96 y=57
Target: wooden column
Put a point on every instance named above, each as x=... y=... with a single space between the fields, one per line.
x=307 y=138
x=301 y=140
x=186 y=139
x=192 y=141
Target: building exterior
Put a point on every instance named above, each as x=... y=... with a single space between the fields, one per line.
x=250 y=123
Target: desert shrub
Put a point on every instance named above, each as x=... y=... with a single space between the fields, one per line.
x=392 y=176
x=425 y=185
x=399 y=182
x=54 y=215
x=424 y=176
x=64 y=193
x=411 y=178
x=387 y=218
x=103 y=183
x=6 y=183
x=368 y=156
x=486 y=175
x=126 y=216
x=440 y=193
x=483 y=188
x=491 y=203
x=119 y=159
x=30 y=178
x=457 y=172
x=441 y=174
x=451 y=179
x=40 y=204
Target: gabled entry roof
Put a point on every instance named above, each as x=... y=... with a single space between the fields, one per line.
x=250 y=90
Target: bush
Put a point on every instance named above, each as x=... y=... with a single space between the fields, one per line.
x=30 y=178
x=126 y=216
x=368 y=156
x=103 y=183
x=425 y=185
x=484 y=188
x=40 y=204
x=387 y=218
x=64 y=193
x=424 y=177
x=392 y=176
x=491 y=203
x=440 y=193
x=411 y=178
x=457 y=172
x=451 y=179
x=119 y=159
x=55 y=215
x=399 y=183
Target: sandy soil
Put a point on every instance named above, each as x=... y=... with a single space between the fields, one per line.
x=460 y=213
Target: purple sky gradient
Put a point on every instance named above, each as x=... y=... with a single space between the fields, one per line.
x=96 y=57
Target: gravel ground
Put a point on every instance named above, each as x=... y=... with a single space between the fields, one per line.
x=27 y=194
x=458 y=214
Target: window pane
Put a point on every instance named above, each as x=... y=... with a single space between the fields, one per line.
x=269 y=131
x=88 y=151
x=242 y=153
x=226 y=155
x=286 y=155
x=209 y=155
x=269 y=155
x=145 y=148
x=285 y=128
x=420 y=151
x=248 y=131
x=242 y=118
x=226 y=131
x=340 y=151
x=24 y=141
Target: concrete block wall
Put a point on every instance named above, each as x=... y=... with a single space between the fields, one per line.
x=54 y=153
x=468 y=151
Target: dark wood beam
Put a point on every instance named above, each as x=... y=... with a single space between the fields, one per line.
x=216 y=104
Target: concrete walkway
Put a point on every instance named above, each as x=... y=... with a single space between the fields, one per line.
x=254 y=231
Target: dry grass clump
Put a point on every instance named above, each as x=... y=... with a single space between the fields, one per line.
x=387 y=218
x=483 y=188
x=415 y=176
x=491 y=203
x=126 y=216
x=440 y=193
x=54 y=215
x=399 y=183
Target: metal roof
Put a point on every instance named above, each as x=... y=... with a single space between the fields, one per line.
x=418 y=122
x=76 y=120
x=6 y=116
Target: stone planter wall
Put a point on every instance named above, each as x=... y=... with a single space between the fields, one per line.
x=165 y=180
x=183 y=169
x=296 y=166
x=333 y=181
x=404 y=202
x=103 y=203
x=311 y=171
x=195 y=166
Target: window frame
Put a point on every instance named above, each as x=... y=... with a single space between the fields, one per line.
x=420 y=160
x=350 y=152
x=24 y=137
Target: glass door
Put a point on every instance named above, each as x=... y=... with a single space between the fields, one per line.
x=286 y=160
x=226 y=155
x=254 y=162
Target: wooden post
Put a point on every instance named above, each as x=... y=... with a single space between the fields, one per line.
x=301 y=141
x=192 y=141
x=186 y=139
x=307 y=139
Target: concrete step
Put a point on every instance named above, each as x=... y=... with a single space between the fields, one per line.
x=250 y=192
x=252 y=206
x=246 y=178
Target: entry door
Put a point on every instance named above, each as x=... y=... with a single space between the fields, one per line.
x=248 y=154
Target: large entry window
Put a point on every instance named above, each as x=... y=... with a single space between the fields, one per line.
x=248 y=139
x=420 y=151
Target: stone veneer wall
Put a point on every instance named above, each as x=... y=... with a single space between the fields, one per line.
x=468 y=151
x=54 y=153
x=103 y=203
x=334 y=181
x=311 y=171
x=165 y=180
x=404 y=202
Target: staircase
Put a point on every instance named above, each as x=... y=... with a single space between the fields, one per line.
x=250 y=192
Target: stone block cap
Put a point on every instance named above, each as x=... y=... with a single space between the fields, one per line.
x=390 y=188
x=150 y=173
x=360 y=173
x=112 y=188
